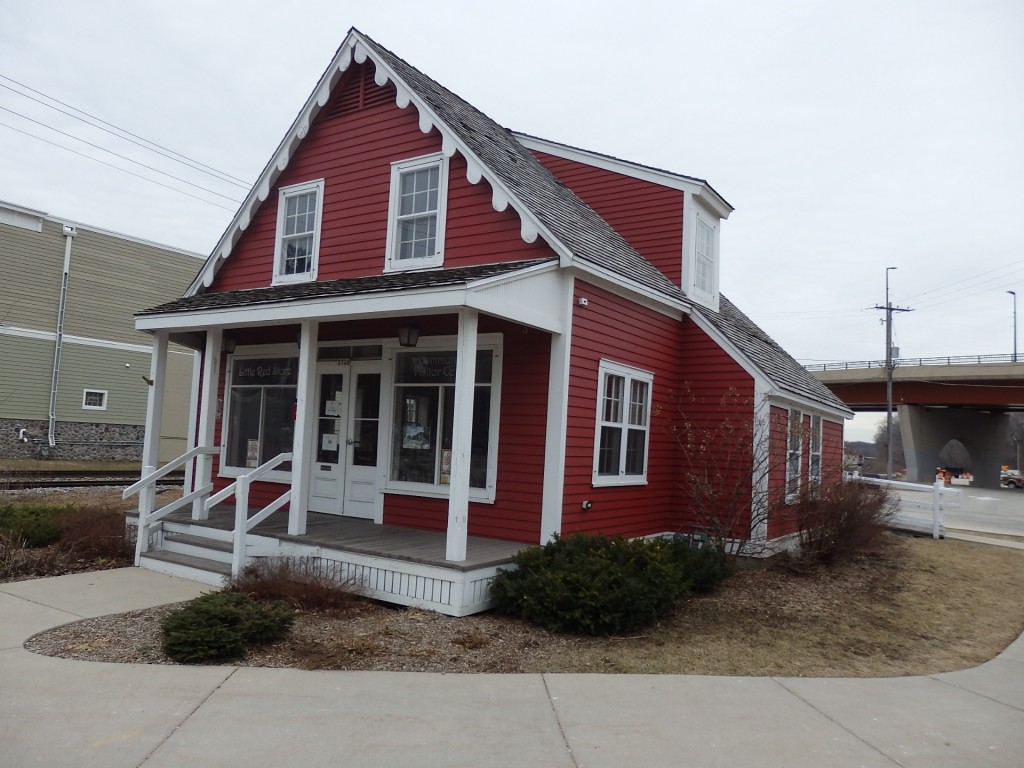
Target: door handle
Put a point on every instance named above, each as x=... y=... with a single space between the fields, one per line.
x=350 y=442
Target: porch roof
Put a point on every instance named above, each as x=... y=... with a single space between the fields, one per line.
x=394 y=293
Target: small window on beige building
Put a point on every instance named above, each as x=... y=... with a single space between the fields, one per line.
x=94 y=400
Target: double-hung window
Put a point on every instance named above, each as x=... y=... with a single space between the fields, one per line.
x=704 y=266
x=814 y=458
x=419 y=190
x=297 y=248
x=794 y=448
x=623 y=425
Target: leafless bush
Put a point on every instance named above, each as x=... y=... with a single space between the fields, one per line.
x=94 y=532
x=300 y=581
x=840 y=521
x=18 y=561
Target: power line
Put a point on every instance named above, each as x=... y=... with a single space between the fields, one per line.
x=116 y=154
x=166 y=152
x=117 y=167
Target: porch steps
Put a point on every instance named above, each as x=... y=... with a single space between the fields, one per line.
x=187 y=553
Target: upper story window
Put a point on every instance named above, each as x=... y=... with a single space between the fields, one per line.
x=701 y=247
x=419 y=191
x=299 y=210
x=704 y=267
x=623 y=425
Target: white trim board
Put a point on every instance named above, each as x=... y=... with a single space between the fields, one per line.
x=85 y=341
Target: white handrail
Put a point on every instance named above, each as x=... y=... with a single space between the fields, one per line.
x=936 y=505
x=166 y=469
x=243 y=523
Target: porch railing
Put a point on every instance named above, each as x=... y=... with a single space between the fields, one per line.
x=146 y=488
x=148 y=516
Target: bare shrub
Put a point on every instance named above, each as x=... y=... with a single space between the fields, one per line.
x=840 y=521
x=94 y=532
x=299 y=581
x=19 y=561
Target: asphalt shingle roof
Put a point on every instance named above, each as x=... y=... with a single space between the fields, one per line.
x=573 y=223
x=390 y=282
x=762 y=350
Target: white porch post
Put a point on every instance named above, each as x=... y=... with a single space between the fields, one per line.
x=462 y=436
x=554 y=443
x=154 y=416
x=193 y=415
x=207 y=416
x=302 y=443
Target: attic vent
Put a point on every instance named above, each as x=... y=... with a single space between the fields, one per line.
x=360 y=91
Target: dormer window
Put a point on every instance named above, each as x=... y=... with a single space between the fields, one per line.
x=299 y=209
x=701 y=252
x=704 y=272
x=419 y=191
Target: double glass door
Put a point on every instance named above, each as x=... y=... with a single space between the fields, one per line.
x=343 y=474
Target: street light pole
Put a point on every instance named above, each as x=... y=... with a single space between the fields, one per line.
x=1014 y=294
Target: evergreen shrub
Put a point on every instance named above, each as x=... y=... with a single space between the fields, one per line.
x=221 y=626
x=599 y=585
x=34 y=525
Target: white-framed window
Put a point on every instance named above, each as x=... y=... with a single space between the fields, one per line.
x=422 y=429
x=418 y=208
x=259 y=420
x=814 y=457
x=704 y=264
x=794 y=451
x=94 y=399
x=622 y=436
x=297 y=247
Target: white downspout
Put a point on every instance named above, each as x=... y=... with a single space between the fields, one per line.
x=69 y=234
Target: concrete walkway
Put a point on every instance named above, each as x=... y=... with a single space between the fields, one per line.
x=57 y=712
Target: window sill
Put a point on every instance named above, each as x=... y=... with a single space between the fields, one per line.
x=413 y=265
x=604 y=482
x=305 y=277
x=423 y=490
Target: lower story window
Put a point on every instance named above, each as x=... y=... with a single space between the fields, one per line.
x=261 y=411
x=421 y=446
x=793 y=451
x=623 y=425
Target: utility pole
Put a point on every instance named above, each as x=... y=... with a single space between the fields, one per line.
x=1014 y=294
x=889 y=365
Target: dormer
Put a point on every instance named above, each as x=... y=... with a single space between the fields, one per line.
x=674 y=221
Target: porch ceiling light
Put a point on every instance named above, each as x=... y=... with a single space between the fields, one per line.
x=408 y=334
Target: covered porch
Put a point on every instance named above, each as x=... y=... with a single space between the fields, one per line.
x=317 y=401
x=406 y=566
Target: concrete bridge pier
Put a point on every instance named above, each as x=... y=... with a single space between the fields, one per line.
x=927 y=430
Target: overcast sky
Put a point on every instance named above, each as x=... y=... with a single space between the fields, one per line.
x=849 y=137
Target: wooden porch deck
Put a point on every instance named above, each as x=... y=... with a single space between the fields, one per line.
x=366 y=537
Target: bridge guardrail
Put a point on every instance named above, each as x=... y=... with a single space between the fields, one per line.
x=905 y=361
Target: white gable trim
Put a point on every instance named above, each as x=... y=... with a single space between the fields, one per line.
x=696 y=187
x=354 y=48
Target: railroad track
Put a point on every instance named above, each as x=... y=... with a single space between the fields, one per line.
x=27 y=480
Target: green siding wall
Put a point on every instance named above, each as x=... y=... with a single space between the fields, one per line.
x=25 y=369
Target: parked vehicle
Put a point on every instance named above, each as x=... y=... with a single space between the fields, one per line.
x=1011 y=480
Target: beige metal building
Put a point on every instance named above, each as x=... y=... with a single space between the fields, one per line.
x=73 y=370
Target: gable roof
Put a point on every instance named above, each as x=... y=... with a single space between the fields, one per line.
x=546 y=207
x=765 y=354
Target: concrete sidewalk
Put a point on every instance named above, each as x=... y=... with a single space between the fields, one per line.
x=57 y=712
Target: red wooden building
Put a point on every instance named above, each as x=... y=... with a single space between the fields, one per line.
x=428 y=341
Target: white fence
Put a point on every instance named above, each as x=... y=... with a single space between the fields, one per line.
x=921 y=507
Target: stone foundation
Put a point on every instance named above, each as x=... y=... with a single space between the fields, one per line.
x=75 y=441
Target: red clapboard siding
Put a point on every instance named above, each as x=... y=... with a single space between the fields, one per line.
x=716 y=398
x=649 y=216
x=352 y=149
x=831 y=452
x=782 y=520
x=620 y=331
x=515 y=514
